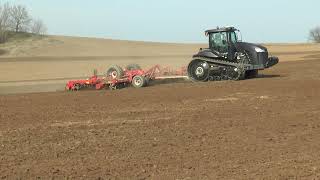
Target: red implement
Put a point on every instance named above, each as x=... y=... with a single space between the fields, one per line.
x=93 y=81
x=138 y=78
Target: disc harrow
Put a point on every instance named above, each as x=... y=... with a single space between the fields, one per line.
x=117 y=77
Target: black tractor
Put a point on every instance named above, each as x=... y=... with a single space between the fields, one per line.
x=227 y=58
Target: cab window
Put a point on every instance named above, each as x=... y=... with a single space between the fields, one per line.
x=233 y=37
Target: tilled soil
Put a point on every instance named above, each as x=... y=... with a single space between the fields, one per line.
x=263 y=128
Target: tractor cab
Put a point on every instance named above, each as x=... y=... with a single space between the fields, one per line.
x=222 y=41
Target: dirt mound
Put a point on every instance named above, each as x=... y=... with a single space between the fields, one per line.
x=265 y=128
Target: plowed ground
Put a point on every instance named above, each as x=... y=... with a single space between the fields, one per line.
x=267 y=127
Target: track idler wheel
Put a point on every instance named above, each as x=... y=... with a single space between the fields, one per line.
x=198 y=70
x=232 y=73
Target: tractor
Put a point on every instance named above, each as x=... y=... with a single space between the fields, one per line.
x=228 y=58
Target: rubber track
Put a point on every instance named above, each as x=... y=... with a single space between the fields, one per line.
x=240 y=66
x=221 y=62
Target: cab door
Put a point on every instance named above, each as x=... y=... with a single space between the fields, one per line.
x=219 y=43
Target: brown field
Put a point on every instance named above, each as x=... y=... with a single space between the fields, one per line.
x=263 y=128
x=45 y=64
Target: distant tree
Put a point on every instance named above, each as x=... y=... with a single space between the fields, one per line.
x=315 y=34
x=20 y=19
x=16 y=18
x=38 y=27
x=4 y=21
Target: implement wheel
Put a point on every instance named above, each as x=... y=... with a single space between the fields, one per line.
x=115 y=72
x=139 y=81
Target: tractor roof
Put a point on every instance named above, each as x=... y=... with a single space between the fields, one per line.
x=221 y=29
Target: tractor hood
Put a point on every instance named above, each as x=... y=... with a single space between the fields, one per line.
x=258 y=54
x=250 y=47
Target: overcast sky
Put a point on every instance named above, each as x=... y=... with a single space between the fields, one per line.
x=177 y=20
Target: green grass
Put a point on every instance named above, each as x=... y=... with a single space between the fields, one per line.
x=20 y=36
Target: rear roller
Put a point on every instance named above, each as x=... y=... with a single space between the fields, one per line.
x=198 y=70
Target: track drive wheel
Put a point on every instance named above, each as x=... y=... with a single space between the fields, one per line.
x=198 y=70
x=139 y=81
x=131 y=67
x=115 y=72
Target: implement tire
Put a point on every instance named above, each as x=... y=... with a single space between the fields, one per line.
x=115 y=72
x=139 y=81
x=131 y=67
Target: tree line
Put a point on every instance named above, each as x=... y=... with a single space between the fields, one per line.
x=315 y=34
x=16 y=18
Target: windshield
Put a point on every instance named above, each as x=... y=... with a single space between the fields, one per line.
x=218 y=41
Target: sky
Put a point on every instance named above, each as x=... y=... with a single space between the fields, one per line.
x=260 y=21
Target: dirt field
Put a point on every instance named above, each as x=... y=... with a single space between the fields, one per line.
x=43 y=65
x=263 y=128
x=260 y=128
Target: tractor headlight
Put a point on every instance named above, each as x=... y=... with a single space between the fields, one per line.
x=259 y=50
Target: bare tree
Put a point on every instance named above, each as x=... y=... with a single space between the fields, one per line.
x=20 y=18
x=16 y=18
x=315 y=34
x=4 y=16
x=4 y=21
x=38 y=27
